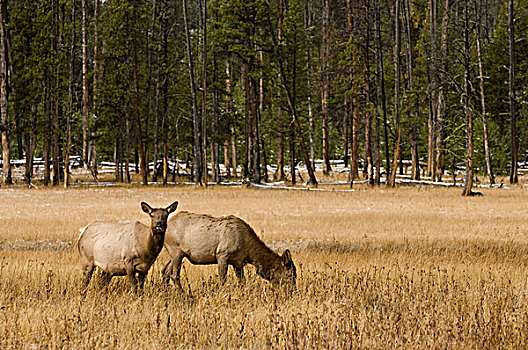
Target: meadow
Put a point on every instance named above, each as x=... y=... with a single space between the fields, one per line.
x=413 y=267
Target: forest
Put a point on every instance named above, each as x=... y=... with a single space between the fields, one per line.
x=441 y=85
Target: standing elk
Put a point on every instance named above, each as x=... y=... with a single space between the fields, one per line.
x=123 y=248
x=204 y=240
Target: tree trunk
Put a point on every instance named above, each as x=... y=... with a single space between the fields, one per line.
x=85 y=108
x=57 y=104
x=215 y=154
x=482 y=96
x=432 y=90
x=381 y=91
x=70 y=101
x=368 y=116
x=95 y=87
x=164 y=116
x=196 y=123
x=442 y=78
x=255 y=133
x=511 y=94
x=354 y=159
x=247 y=118
x=4 y=126
x=466 y=100
x=309 y=53
x=127 y=142
x=29 y=143
x=231 y=124
x=415 y=173
x=324 y=101
x=346 y=128
x=203 y=16
x=280 y=175
x=392 y=181
x=377 y=98
x=292 y=155
x=227 y=159
x=142 y=160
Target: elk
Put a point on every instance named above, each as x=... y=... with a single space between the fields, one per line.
x=120 y=249
x=204 y=240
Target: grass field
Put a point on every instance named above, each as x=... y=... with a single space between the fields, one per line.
x=415 y=267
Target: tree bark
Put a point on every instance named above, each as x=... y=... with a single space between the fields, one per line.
x=46 y=151
x=511 y=95
x=203 y=16
x=6 y=147
x=57 y=43
x=165 y=86
x=85 y=107
x=432 y=88
x=231 y=114
x=70 y=100
x=309 y=53
x=439 y=127
x=215 y=154
x=466 y=100
x=392 y=181
x=381 y=91
x=324 y=101
x=95 y=96
x=141 y=149
x=483 y=116
x=196 y=124
x=368 y=115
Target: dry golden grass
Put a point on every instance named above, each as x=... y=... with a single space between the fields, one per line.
x=408 y=268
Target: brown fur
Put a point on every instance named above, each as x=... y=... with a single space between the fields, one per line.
x=123 y=249
x=204 y=239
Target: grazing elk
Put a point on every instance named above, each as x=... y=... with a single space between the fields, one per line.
x=204 y=239
x=123 y=248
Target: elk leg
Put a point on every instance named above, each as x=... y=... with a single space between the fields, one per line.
x=172 y=270
x=131 y=274
x=105 y=279
x=239 y=271
x=222 y=269
x=87 y=271
x=141 y=279
x=166 y=271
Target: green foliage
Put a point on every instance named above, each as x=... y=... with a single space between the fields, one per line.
x=246 y=33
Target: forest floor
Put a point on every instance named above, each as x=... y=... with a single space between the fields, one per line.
x=413 y=267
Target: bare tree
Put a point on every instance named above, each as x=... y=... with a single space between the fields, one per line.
x=368 y=100
x=309 y=57
x=95 y=96
x=483 y=115
x=466 y=101
x=380 y=82
x=392 y=181
x=513 y=118
x=326 y=44
x=57 y=43
x=142 y=160
x=203 y=17
x=70 y=101
x=433 y=85
x=196 y=124
x=85 y=107
x=442 y=78
x=4 y=126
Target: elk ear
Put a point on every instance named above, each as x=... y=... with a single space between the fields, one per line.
x=171 y=208
x=146 y=208
x=286 y=258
